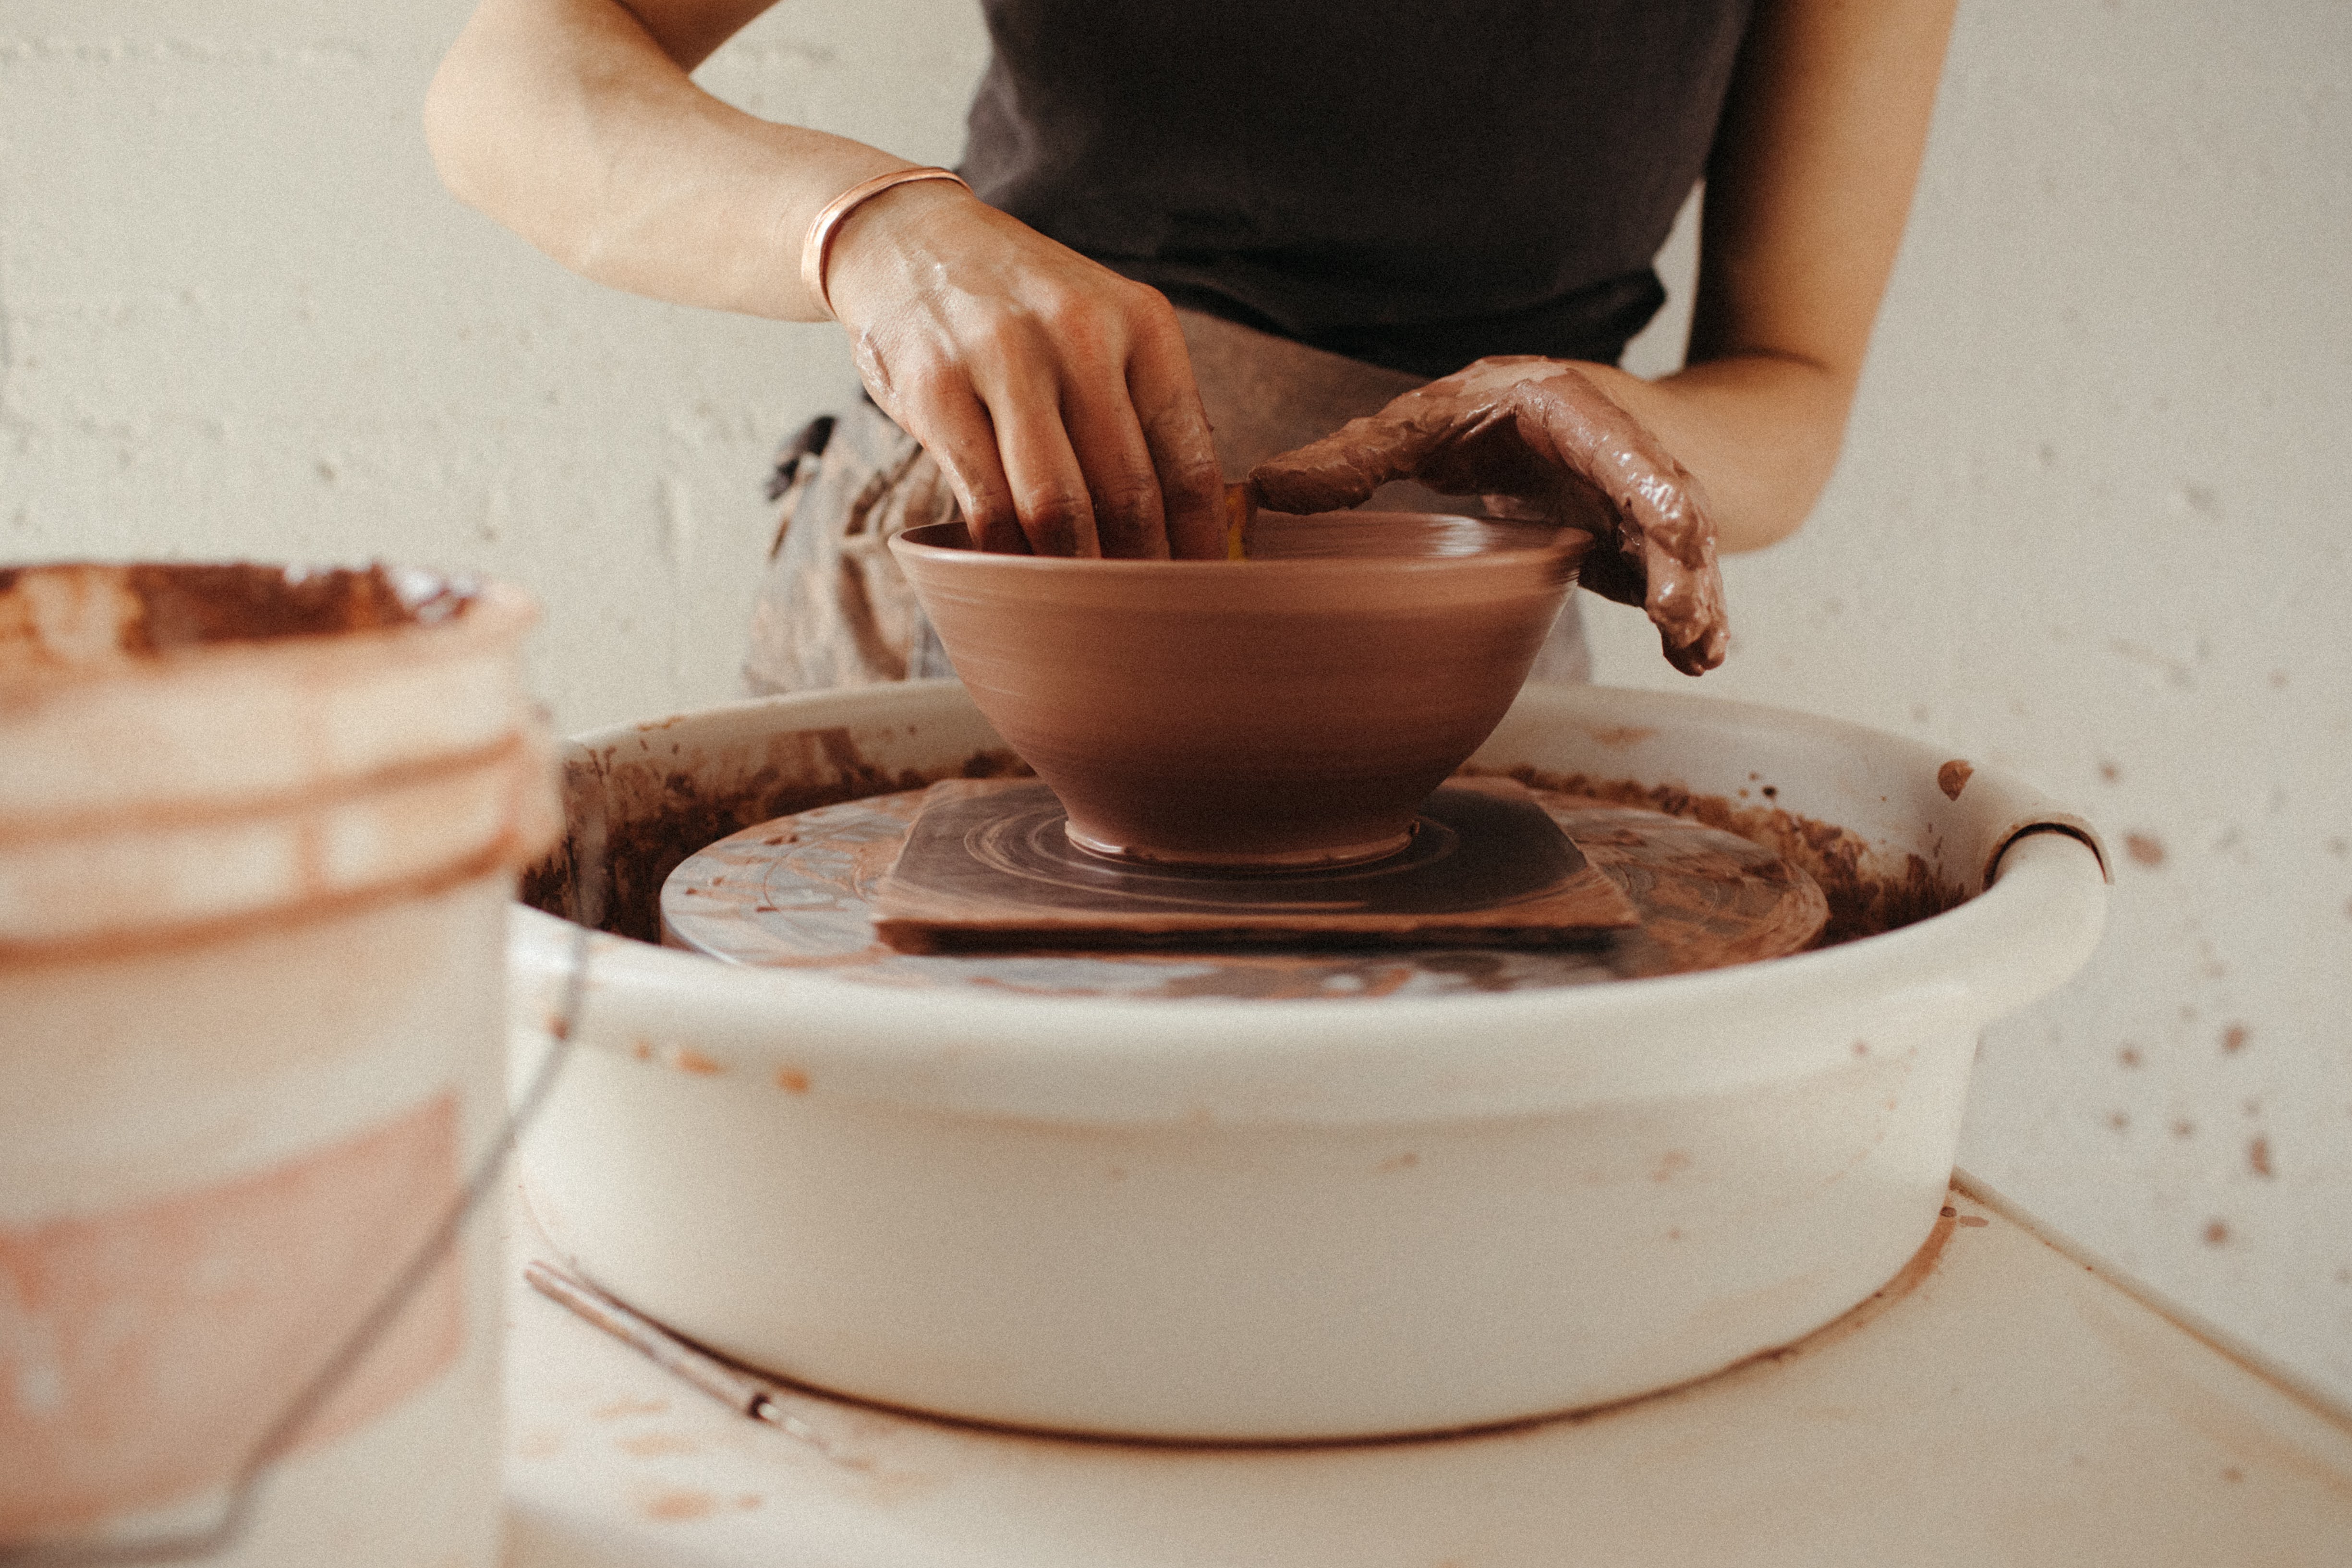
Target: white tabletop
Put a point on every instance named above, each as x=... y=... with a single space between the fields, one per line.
x=2002 y=1403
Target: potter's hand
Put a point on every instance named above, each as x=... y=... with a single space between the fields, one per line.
x=1057 y=395
x=1536 y=437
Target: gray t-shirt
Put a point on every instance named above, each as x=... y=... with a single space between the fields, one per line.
x=1409 y=182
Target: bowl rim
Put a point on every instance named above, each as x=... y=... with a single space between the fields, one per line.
x=1568 y=541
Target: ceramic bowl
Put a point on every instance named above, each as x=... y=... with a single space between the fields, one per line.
x=1336 y=1212
x=1292 y=709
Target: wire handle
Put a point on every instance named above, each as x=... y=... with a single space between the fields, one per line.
x=252 y=1475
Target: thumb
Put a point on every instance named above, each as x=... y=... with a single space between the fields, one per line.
x=1346 y=466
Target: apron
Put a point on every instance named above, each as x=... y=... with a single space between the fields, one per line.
x=833 y=608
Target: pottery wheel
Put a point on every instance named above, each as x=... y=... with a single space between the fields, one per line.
x=988 y=864
x=797 y=893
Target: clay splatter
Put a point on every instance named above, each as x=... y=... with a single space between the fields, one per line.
x=2217 y=1233
x=2233 y=1039
x=1868 y=892
x=620 y=1407
x=671 y=1506
x=1953 y=776
x=117 y=1326
x=2258 y=1157
x=2145 y=848
x=658 y=812
x=539 y=1443
x=2128 y=1056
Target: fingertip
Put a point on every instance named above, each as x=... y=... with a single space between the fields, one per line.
x=1698 y=655
x=1271 y=486
x=1192 y=487
x=1130 y=517
x=996 y=530
x=1195 y=504
x=1062 y=527
x=1196 y=532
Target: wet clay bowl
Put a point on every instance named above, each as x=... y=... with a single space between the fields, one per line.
x=1128 y=1195
x=1292 y=709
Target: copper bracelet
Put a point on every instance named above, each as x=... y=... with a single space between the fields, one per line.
x=819 y=243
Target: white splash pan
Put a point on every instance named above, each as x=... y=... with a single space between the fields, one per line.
x=1265 y=1220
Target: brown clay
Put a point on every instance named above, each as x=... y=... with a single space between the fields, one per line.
x=632 y=814
x=1291 y=709
x=78 y=612
x=1866 y=894
x=211 y=1365
x=659 y=803
x=636 y=817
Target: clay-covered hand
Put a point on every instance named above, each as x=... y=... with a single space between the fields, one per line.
x=1536 y=437
x=1057 y=395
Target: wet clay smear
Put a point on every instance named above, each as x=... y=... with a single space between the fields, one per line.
x=1867 y=892
x=637 y=811
x=75 y=614
x=801 y=894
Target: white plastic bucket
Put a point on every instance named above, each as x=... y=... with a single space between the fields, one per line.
x=258 y=830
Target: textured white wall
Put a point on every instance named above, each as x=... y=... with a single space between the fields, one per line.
x=238 y=316
x=2090 y=525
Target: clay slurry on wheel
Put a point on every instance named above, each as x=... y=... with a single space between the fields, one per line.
x=797 y=893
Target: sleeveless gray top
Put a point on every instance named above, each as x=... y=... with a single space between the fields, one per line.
x=1409 y=182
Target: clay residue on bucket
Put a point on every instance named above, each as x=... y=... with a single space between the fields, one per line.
x=83 y=614
x=1868 y=891
x=655 y=802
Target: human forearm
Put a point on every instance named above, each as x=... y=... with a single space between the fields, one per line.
x=1056 y=394
x=1807 y=195
x=574 y=123
x=1759 y=432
